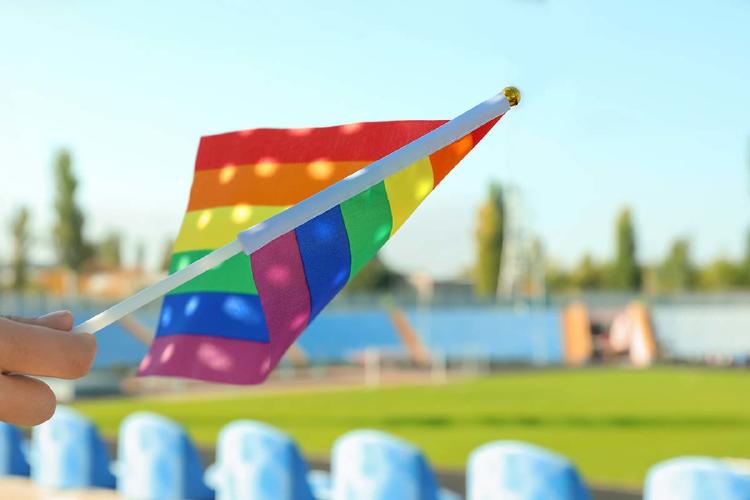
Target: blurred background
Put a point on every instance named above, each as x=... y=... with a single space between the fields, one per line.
x=581 y=281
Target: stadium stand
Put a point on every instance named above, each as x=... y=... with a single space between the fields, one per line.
x=686 y=330
x=497 y=335
x=703 y=332
x=336 y=337
x=339 y=336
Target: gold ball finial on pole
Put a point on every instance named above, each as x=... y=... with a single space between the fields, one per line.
x=513 y=95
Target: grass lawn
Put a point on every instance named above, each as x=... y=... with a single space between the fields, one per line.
x=613 y=423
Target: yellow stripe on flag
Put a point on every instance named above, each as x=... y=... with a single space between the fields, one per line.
x=406 y=190
x=214 y=227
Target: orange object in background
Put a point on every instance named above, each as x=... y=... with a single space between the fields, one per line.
x=418 y=352
x=108 y=284
x=576 y=328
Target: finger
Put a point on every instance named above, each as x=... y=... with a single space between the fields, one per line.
x=42 y=351
x=25 y=401
x=58 y=320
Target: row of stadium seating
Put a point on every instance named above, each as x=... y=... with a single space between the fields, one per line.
x=339 y=337
x=687 y=331
x=690 y=332
x=157 y=460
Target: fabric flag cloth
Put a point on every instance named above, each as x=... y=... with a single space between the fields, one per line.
x=234 y=323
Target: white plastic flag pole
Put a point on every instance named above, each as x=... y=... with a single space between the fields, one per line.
x=259 y=235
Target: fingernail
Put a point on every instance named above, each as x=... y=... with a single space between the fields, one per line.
x=55 y=314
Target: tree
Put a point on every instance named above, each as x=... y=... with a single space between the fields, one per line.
x=677 y=273
x=722 y=274
x=72 y=249
x=166 y=258
x=21 y=240
x=535 y=276
x=140 y=256
x=489 y=235
x=588 y=275
x=108 y=252
x=625 y=273
x=556 y=278
x=374 y=277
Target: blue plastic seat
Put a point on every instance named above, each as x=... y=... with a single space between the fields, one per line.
x=320 y=484
x=255 y=461
x=696 y=478
x=372 y=465
x=156 y=460
x=68 y=453
x=12 y=457
x=509 y=469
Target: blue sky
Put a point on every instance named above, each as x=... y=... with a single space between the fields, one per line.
x=625 y=102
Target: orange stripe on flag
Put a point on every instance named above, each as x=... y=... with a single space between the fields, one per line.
x=445 y=159
x=266 y=183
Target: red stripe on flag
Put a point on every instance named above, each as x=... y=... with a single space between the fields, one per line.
x=368 y=141
x=479 y=133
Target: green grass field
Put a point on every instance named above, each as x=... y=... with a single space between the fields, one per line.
x=613 y=423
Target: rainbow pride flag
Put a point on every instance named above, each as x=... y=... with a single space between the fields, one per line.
x=234 y=323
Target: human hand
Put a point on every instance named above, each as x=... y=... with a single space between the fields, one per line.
x=42 y=347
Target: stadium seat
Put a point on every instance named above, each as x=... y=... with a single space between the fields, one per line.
x=12 y=457
x=508 y=469
x=444 y=494
x=157 y=460
x=255 y=461
x=696 y=478
x=320 y=484
x=372 y=465
x=67 y=453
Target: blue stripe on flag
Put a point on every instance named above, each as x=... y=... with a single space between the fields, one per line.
x=324 y=247
x=228 y=315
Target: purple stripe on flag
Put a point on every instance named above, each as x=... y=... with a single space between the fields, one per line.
x=204 y=357
x=285 y=299
x=284 y=295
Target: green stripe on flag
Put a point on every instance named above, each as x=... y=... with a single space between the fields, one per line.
x=231 y=276
x=368 y=222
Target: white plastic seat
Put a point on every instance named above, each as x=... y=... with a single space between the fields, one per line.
x=696 y=478
x=255 y=461
x=521 y=471
x=157 y=460
x=372 y=465
x=68 y=453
